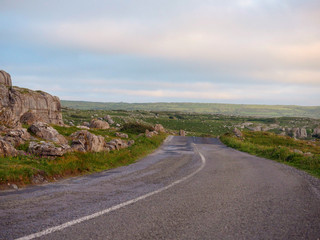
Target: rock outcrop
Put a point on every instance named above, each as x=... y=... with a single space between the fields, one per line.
x=6 y=149
x=15 y=102
x=150 y=134
x=117 y=144
x=316 y=132
x=84 y=141
x=99 y=124
x=299 y=133
x=17 y=136
x=44 y=131
x=47 y=149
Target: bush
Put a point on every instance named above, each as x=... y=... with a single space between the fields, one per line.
x=136 y=127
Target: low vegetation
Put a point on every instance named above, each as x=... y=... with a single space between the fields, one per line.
x=301 y=154
x=28 y=169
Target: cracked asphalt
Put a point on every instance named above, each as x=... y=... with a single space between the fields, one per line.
x=234 y=196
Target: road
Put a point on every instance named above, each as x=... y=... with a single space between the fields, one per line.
x=190 y=188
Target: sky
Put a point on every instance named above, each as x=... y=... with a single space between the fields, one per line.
x=219 y=51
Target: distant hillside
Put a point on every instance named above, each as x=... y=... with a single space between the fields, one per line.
x=214 y=108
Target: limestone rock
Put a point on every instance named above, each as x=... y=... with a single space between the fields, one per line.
x=6 y=149
x=17 y=136
x=44 y=131
x=5 y=78
x=159 y=128
x=117 y=144
x=182 y=133
x=47 y=149
x=30 y=118
x=86 y=124
x=316 y=132
x=85 y=141
x=99 y=124
x=121 y=135
x=237 y=132
x=108 y=119
x=299 y=133
x=150 y=134
x=83 y=127
x=15 y=102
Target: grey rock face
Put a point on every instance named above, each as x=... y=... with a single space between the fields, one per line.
x=99 y=124
x=44 y=131
x=6 y=149
x=17 y=136
x=15 y=102
x=47 y=149
x=5 y=78
x=84 y=141
x=299 y=133
x=30 y=117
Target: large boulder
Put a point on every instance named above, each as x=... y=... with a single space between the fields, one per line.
x=6 y=149
x=5 y=78
x=15 y=102
x=47 y=149
x=316 y=132
x=84 y=141
x=17 y=136
x=44 y=131
x=159 y=128
x=99 y=124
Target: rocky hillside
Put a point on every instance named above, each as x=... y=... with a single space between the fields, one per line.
x=21 y=105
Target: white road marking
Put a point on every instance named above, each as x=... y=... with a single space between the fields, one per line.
x=105 y=211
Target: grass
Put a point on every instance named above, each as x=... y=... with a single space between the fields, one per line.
x=21 y=170
x=279 y=148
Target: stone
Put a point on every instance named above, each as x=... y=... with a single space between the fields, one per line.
x=150 y=134
x=85 y=141
x=99 y=124
x=255 y=128
x=117 y=144
x=108 y=119
x=122 y=135
x=159 y=128
x=118 y=125
x=15 y=102
x=308 y=154
x=5 y=78
x=7 y=149
x=237 y=133
x=30 y=118
x=44 y=131
x=17 y=136
x=83 y=127
x=316 y=132
x=48 y=149
x=86 y=124
x=182 y=133
x=14 y=186
x=299 y=133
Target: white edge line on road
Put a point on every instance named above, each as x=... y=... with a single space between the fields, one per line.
x=105 y=211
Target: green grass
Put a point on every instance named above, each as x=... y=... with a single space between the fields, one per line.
x=279 y=148
x=21 y=169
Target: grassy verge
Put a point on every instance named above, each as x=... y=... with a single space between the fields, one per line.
x=304 y=155
x=22 y=170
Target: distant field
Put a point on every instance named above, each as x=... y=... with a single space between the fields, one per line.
x=213 y=108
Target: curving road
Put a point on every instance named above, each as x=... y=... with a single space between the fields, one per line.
x=191 y=188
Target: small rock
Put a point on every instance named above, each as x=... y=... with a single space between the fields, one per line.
x=14 y=186
x=122 y=135
x=159 y=128
x=297 y=151
x=237 y=132
x=182 y=133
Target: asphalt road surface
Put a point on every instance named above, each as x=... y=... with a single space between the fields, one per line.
x=191 y=188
